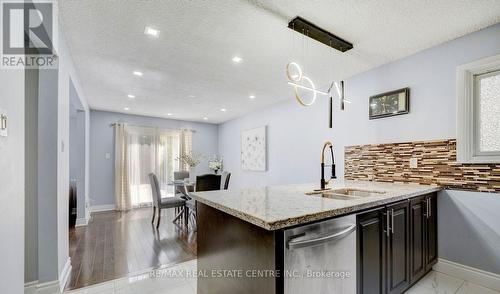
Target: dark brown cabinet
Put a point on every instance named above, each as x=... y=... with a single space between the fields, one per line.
x=418 y=217
x=398 y=278
x=397 y=245
x=371 y=253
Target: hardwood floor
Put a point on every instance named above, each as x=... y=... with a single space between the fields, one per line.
x=115 y=244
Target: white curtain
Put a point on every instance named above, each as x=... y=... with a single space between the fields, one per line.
x=168 y=149
x=148 y=150
x=141 y=161
x=122 y=196
x=186 y=146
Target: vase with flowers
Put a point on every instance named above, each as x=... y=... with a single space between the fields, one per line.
x=215 y=164
x=191 y=160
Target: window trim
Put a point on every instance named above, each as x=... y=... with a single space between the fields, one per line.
x=466 y=111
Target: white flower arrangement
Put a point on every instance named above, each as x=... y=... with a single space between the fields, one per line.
x=215 y=164
x=191 y=160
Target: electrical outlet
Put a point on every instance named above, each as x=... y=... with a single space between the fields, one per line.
x=413 y=162
x=107 y=155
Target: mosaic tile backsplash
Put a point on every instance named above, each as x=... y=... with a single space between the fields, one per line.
x=436 y=166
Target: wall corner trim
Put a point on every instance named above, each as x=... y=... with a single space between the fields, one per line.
x=469 y=274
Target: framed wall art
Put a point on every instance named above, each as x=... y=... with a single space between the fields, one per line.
x=390 y=103
x=254 y=149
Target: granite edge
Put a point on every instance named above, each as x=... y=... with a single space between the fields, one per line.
x=282 y=224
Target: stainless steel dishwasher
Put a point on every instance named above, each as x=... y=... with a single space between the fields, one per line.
x=321 y=258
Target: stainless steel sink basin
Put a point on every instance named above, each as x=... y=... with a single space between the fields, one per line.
x=346 y=193
x=356 y=192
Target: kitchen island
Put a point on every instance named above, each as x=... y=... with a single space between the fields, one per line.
x=246 y=236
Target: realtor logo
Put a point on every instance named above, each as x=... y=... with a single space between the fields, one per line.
x=28 y=34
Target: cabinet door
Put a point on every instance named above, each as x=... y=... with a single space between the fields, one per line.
x=418 y=218
x=431 y=234
x=370 y=251
x=398 y=257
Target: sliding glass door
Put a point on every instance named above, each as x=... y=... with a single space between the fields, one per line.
x=168 y=148
x=151 y=150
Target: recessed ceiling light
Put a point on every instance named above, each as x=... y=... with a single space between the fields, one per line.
x=191 y=96
x=223 y=109
x=126 y=108
x=251 y=96
x=152 y=32
x=237 y=59
x=169 y=114
x=138 y=73
x=205 y=118
x=131 y=96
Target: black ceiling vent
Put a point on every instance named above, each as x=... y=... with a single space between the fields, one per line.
x=312 y=31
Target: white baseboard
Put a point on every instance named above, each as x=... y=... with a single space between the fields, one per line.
x=105 y=207
x=65 y=274
x=34 y=287
x=81 y=222
x=30 y=287
x=467 y=273
x=51 y=287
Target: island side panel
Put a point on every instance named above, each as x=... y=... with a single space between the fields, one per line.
x=229 y=243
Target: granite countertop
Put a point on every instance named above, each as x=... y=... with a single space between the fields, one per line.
x=279 y=207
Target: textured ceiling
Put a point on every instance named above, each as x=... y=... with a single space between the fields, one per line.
x=192 y=56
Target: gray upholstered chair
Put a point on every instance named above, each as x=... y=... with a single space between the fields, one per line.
x=164 y=203
x=181 y=175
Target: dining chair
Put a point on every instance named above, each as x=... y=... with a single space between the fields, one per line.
x=164 y=203
x=208 y=182
x=227 y=177
x=180 y=176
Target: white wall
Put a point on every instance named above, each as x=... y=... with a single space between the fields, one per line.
x=469 y=229
x=12 y=183
x=31 y=176
x=296 y=133
x=77 y=157
x=47 y=153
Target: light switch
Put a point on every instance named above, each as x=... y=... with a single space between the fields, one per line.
x=413 y=162
x=3 y=124
x=108 y=156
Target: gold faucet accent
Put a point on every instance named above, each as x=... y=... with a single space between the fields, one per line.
x=333 y=176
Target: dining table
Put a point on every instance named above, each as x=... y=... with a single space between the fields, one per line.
x=184 y=186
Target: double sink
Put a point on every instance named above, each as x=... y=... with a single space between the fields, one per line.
x=346 y=193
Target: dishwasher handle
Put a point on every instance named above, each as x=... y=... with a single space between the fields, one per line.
x=321 y=239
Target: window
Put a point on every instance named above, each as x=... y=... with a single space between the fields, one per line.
x=153 y=150
x=478 y=117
